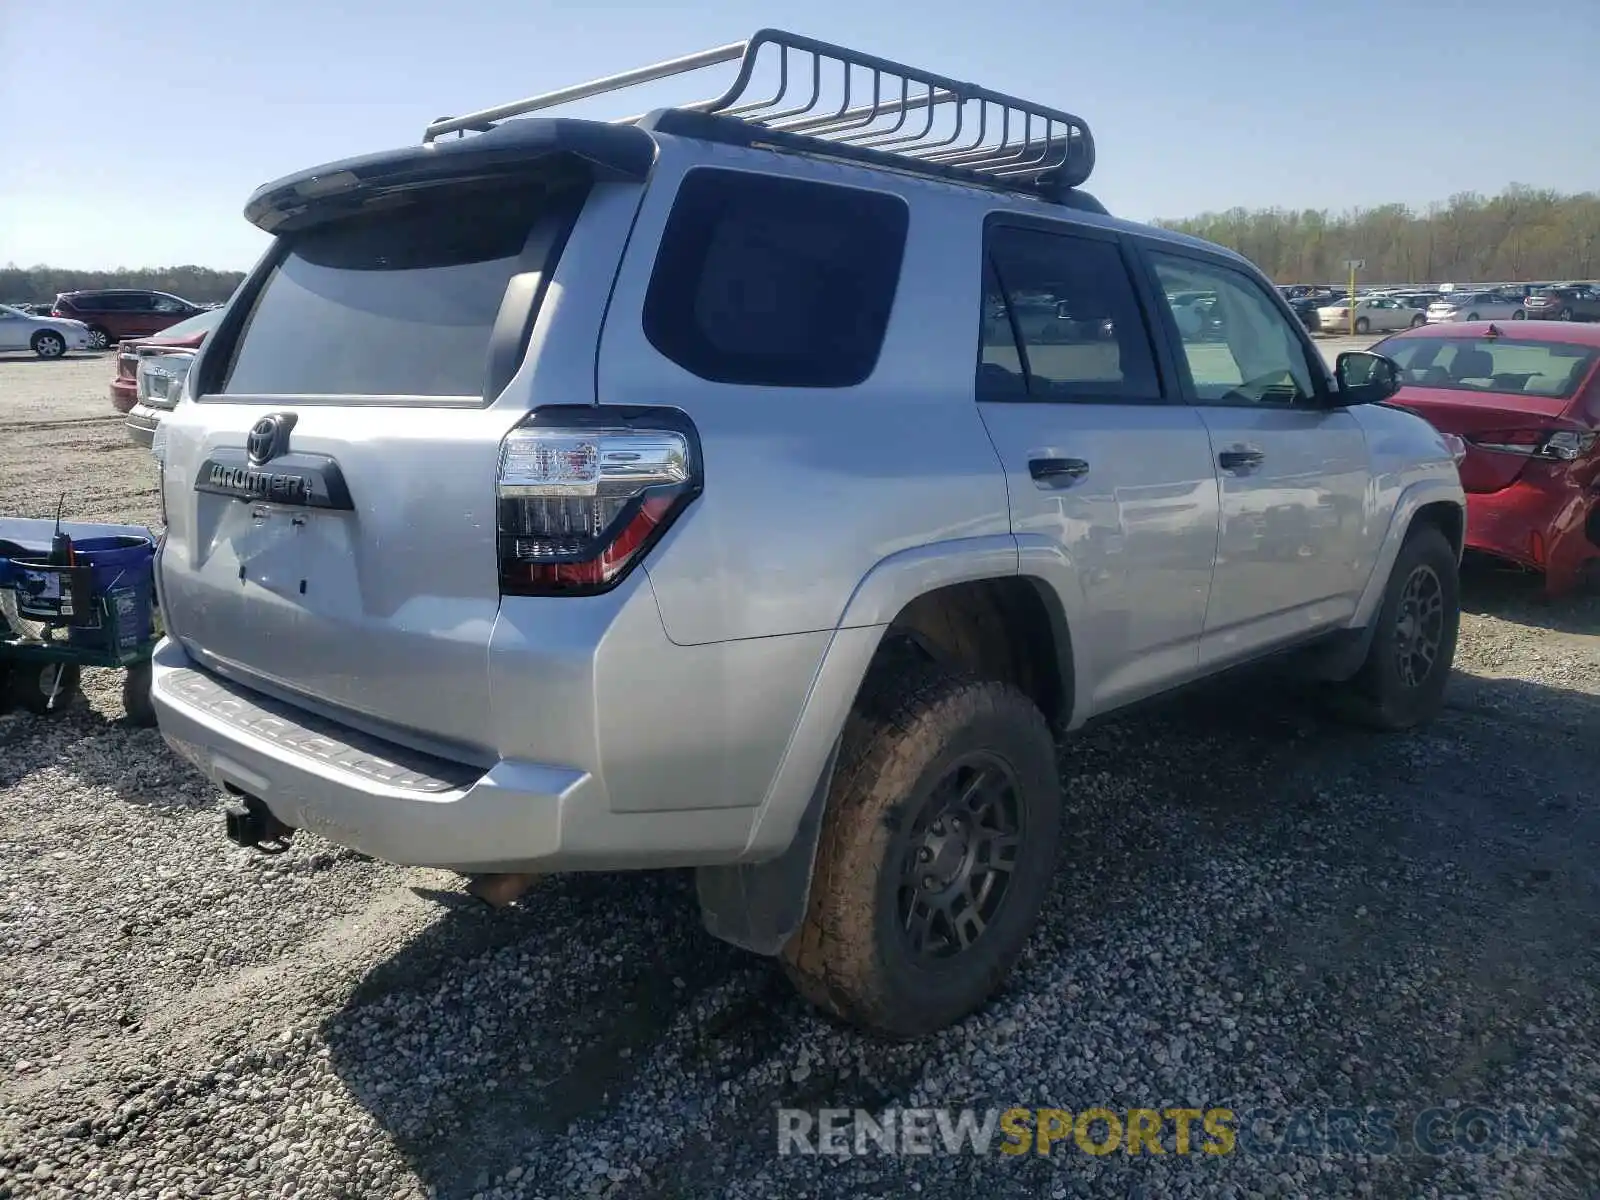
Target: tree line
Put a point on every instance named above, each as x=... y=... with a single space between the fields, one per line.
x=39 y=284
x=1523 y=234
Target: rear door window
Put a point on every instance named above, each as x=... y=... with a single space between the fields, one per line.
x=1061 y=321
x=775 y=282
x=398 y=303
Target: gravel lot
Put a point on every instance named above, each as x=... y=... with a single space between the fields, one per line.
x=1255 y=907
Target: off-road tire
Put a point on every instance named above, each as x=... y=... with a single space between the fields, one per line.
x=35 y=687
x=1378 y=696
x=912 y=726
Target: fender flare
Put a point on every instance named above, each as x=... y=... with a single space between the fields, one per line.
x=759 y=902
x=1414 y=497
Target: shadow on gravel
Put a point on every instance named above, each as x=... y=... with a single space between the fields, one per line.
x=491 y=1032
x=102 y=751
x=598 y=1008
x=1492 y=590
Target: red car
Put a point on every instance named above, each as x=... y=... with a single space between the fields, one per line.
x=182 y=339
x=116 y=313
x=1525 y=397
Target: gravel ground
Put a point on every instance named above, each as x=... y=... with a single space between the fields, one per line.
x=1256 y=908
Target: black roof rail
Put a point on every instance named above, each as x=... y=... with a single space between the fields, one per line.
x=826 y=99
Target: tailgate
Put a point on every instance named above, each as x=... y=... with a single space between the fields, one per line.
x=379 y=595
x=329 y=473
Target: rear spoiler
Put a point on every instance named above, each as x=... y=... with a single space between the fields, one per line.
x=611 y=152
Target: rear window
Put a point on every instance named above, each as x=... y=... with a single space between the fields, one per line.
x=1550 y=369
x=775 y=282
x=396 y=303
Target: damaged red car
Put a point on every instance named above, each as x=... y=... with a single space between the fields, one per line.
x=1525 y=398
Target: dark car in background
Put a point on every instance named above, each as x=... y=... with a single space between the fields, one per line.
x=1305 y=305
x=150 y=371
x=113 y=314
x=1564 y=302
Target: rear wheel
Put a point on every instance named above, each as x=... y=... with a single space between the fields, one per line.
x=1565 y=314
x=1519 y=315
x=1418 y=321
x=936 y=852
x=99 y=338
x=1362 y=325
x=1472 y=316
x=47 y=343
x=1401 y=684
x=44 y=688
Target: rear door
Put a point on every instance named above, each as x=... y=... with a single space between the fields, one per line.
x=1099 y=455
x=331 y=491
x=1293 y=471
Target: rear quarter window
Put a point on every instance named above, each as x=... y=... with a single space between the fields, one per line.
x=775 y=282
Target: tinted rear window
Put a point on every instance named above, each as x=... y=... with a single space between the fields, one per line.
x=1553 y=370
x=397 y=303
x=777 y=282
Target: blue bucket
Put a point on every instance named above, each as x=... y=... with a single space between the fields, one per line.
x=122 y=571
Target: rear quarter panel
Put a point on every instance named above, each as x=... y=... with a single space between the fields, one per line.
x=807 y=489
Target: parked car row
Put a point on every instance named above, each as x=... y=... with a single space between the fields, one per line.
x=1380 y=310
x=95 y=320
x=150 y=372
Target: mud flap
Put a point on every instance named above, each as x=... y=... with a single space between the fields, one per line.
x=758 y=906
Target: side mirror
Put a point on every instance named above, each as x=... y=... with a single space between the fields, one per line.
x=1365 y=377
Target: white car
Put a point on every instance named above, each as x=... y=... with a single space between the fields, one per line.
x=1476 y=306
x=48 y=337
x=1374 y=314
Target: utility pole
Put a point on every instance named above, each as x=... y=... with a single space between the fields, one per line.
x=1353 y=265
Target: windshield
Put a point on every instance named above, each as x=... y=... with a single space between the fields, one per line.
x=1552 y=370
x=203 y=323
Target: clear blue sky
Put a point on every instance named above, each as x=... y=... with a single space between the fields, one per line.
x=131 y=134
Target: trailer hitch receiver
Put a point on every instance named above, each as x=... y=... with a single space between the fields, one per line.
x=251 y=823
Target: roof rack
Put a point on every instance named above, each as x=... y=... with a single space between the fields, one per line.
x=839 y=102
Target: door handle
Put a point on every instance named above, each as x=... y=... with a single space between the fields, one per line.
x=1057 y=472
x=1240 y=459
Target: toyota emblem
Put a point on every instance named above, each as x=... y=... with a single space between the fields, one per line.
x=269 y=437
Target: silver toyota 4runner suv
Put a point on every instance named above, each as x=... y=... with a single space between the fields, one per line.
x=762 y=486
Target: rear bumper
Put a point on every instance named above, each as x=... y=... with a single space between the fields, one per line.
x=1537 y=525
x=624 y=752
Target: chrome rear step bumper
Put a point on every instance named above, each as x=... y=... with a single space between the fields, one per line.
x=404 y=806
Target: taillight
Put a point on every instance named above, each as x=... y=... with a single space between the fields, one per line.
x=584 y=493
x=1559 y=445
